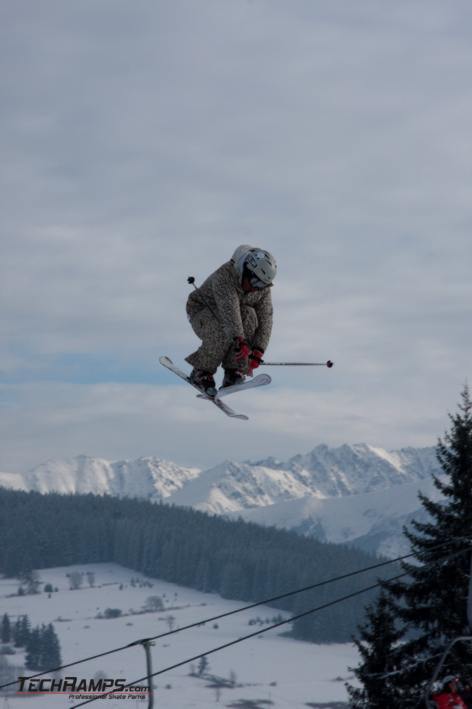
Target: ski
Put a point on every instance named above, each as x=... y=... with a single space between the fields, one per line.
x=168 y=363
x=259 y=381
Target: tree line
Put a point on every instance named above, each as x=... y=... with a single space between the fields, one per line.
x=235 y=559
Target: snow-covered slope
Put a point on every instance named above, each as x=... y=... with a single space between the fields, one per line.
x=230 y=487
x=151 y=478
x=373 y=520
x=283 y=672
x=352 y=469
x=323 y=473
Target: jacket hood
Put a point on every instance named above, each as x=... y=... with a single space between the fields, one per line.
x=239 y=257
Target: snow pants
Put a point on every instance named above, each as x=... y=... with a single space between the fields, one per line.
x=217 y=347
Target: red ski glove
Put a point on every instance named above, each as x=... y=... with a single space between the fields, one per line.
x=255 y=359
x=242 y=349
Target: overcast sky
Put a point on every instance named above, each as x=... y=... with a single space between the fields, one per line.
x=143 y=141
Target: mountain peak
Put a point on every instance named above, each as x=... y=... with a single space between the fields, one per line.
x=305 y=481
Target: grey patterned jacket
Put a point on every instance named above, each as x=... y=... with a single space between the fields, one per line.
x=223 y=294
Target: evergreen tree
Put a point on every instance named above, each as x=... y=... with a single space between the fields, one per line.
x=6 y=629
x=232 y=581
x=33 y=650
x=202 y=575
x=21 y=631
x=432 y=602
x=378 y=648
x=17 y=637
x=50 y=652
x=25 y=630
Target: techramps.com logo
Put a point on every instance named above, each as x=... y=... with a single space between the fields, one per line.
x=81 y=688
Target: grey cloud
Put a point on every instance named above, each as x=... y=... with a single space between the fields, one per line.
x=142 y=145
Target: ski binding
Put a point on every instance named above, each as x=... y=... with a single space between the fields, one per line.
x=168 y=363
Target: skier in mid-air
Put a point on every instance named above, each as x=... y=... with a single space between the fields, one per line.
x=231 y=313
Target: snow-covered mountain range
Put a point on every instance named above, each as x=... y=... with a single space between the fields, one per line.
x=354 y=493
x=151 y=478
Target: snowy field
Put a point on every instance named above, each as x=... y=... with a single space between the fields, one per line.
x=279 y=672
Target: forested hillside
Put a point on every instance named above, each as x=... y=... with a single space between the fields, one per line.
x=232 y=558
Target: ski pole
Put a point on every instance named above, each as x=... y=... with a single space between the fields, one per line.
x=328 y=364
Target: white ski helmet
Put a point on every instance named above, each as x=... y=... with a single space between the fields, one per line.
x=260 y=264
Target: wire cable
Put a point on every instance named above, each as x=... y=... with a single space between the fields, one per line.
x=265 y=601
x=241 y=639
x=271 y=627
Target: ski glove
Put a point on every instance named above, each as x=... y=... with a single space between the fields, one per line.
x=242 y=349
x=255 y=359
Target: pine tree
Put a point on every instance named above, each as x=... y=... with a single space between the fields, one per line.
x=33 y=650
x=378 y=648
x=50 y=653
x=17 y=633
x=432 y=602
x=21 y=631
x=232 y=581
x=25 y=630
x=6 y=629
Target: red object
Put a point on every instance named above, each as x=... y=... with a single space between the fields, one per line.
x=255 y=358
x=242 y=348
x=449 y=700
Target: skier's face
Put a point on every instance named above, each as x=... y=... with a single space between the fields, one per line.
x=247 y=286
x=250 y=283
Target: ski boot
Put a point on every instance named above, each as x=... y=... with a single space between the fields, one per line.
x=204 y=381
x=232 y=377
